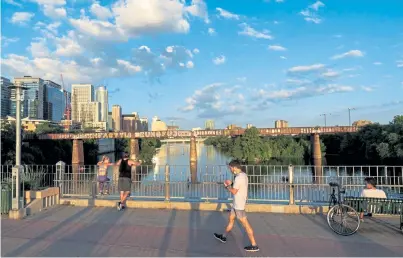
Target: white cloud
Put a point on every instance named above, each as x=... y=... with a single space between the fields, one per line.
x=377 y=63
x=219 y=60
x=212 y=101
x=283 y=57
x=277 y=48
x=226 y=14
x=367 y=89
x=330 y=74
x=12 y=2
x=21 y=18
x=299 y=92
x=132 y=69
x=251 y=32
x=241 y=79
x=298 y=81
x=306 y=68
x=399 y=63
x=317 y=5
x=351 y=53
x=68 y=45
x=311 y=13
x=101 y=12
x=151 y=17
x=196 y=51
x=54 y=12
x=211 y=31
x=6 y=41
x=190 y=64
x=39 y=49
x=51 y=68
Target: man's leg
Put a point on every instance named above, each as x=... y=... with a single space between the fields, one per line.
x=249 y=231
x=124 y=197
x=230 y=225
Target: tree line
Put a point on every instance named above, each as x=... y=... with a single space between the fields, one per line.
x=371 y=144
x=50 y=152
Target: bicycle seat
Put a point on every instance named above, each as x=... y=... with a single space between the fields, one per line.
x=332 y=184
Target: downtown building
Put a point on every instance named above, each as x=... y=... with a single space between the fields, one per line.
x=84 y=109
x=5 y=97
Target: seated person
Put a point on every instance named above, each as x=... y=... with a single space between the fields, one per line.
x=370 y=191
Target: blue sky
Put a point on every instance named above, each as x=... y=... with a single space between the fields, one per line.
x=251 y=61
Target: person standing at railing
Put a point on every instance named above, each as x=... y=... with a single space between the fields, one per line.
x=125 y=178
x=370 y=191
x=103 y=178
x=240 y=192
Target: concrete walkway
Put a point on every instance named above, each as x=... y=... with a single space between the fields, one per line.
x=78 y=231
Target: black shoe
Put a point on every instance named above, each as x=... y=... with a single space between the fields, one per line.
x=252 y=248
x=220 y=238
x=123 y=207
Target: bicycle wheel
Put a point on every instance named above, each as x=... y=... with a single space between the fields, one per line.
x=343 y=220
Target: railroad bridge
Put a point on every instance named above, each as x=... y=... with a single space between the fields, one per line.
x=78 y=149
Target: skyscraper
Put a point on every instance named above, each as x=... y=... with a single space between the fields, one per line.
x=84 y=109
x=5 y=97
x=280 y=124
x=33 y=103
x=101 y=96
x=54 y=101
x=209 y=125
x=116 y=118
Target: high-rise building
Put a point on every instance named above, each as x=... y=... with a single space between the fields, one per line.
x=280 y=124
x=101 y=96
x=84 y=109
x=110 y=122
x=5 y=97
x=359 y=123
x=116 y=118
x=34 y=95
x=248 y=126
x=158 y=125
x=131 y=123
x=144 y=123
x=54 y=102
x=209 y=125
x=67 y=106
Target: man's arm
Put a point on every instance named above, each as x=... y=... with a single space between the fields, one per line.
x=118 y=163
x=134 y=163
x=236 y=186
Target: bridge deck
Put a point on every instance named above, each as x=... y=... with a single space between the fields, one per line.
x=77 y=231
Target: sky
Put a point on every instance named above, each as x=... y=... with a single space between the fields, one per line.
x=234 y=61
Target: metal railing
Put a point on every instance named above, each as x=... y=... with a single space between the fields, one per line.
x=267 y=184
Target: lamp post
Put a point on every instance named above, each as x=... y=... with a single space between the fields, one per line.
x=16 y=204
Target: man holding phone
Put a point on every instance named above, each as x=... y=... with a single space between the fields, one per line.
x=240 y=192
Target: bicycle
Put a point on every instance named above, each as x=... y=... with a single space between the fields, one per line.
x=340 y=215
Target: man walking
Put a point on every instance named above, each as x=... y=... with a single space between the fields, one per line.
x=125 y=179
x=240 y=193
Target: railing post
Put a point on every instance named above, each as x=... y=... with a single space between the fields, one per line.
x=291 y=183
x=60 y=170
x=167 y=186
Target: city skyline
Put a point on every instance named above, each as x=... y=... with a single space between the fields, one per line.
x=218 y=60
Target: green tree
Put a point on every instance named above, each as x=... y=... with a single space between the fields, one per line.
x=398 y=120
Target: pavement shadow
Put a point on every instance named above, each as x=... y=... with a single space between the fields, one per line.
x=90 y=236
x=167 y=234
x=201 y=240
x=322 y=223
x=33 y=242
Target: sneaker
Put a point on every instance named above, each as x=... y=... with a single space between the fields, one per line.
x=220 y=238
x=123 y=207
x=119 y=206
x=252 y=248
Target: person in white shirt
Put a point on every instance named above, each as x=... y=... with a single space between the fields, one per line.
x=370 y=191
x=240 y=192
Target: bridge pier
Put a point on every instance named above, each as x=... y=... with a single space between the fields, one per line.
x=317 y=158
x=193 y=159
x=134 y=149
x=77 y=157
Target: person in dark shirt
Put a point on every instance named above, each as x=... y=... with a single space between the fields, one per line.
x=125 y=178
